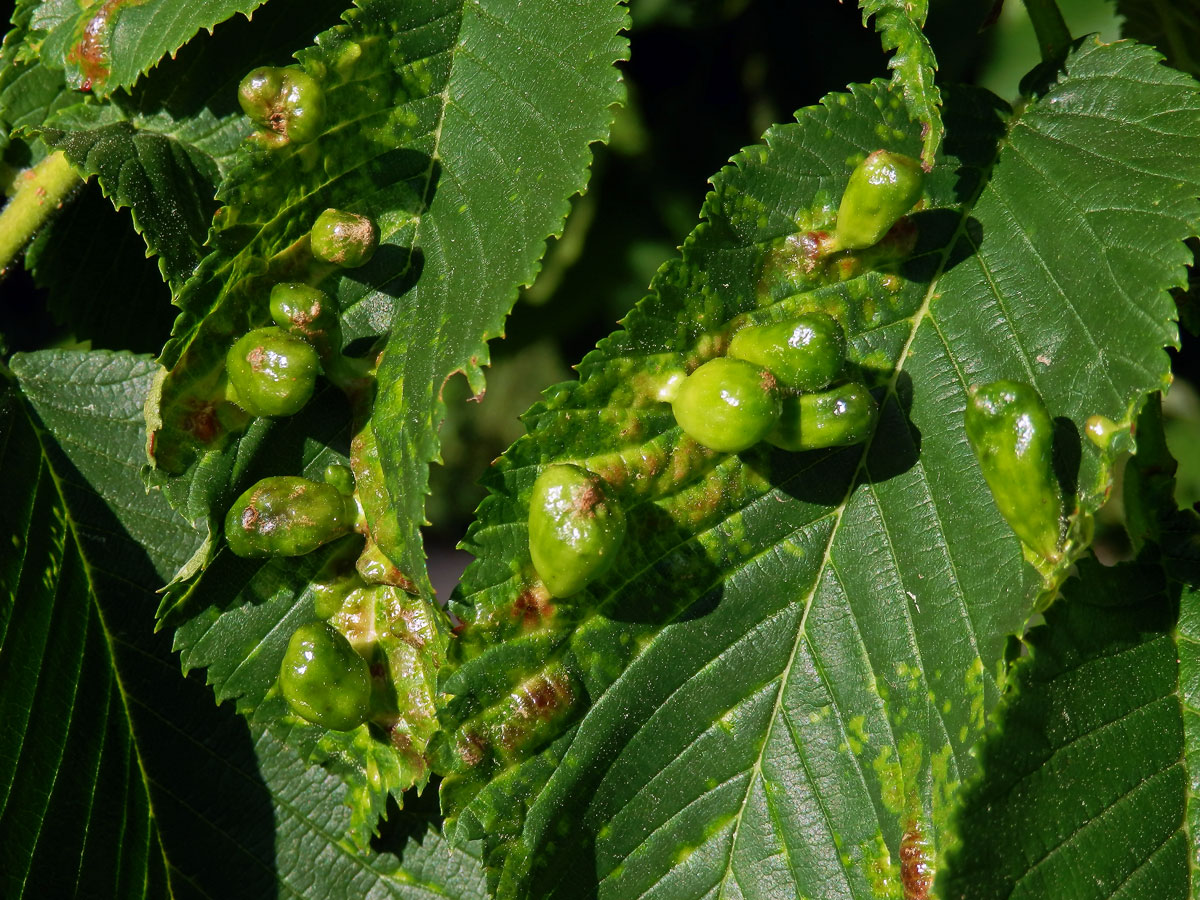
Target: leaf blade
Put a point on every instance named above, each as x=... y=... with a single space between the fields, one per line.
x=198 y=782
x=1085 y=776
x=887 y=570
x=163 y=151
x=109 y=46
x=900 y=24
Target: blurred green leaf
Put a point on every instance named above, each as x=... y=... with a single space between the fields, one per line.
x=1173 y=27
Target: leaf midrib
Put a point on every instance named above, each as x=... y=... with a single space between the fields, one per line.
x=889 y=395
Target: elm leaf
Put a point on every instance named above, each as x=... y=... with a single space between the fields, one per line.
x=776 y=688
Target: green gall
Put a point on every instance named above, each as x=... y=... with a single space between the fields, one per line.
x=1012 y=435
x=804 y=354
x=344 y=238
x=286 y=515
x=288 y=104
x=575 y=528
x=882 y=188
x=307 y=312
x=341 y=477
x=259 y=91
x=273 y=373
x=728 y=405
x=323 y=680
x=1100 y=430
x=839 y=417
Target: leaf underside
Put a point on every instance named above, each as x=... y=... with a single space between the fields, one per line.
x=775 y=689
x=104 y=249
x=68 y=732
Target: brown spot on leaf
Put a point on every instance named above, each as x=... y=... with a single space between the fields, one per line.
x=532 y=607
x=848 y=267
x=90 y=51
x=814 y=245
x=633 y=429
x=201 y=423
x=916 y=871
x=544 y=694
x=409 y=627
x=400 y=739
x=472 y=747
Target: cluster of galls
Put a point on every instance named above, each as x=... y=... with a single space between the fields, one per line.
x=272 y=371
x=774 y=385
x=777 y=383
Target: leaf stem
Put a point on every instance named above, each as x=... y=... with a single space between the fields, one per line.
x=1050 y=27
x=37 y=193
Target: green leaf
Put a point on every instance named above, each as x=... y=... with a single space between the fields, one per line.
x=70 y=767
x=462 y=130
x=108 y=45
x=777 y=686
x=104 y=249
x=1084 y=779
x=163 y=151
x=1172 y=27
x=484 y=234
x=900 y=24
x=29 y=90
x=310 y=860
x=248 y=610
x=119 y=777
x=236 y=616
x=169 y=188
